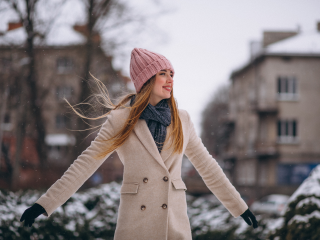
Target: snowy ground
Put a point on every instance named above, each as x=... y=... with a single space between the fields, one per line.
x=97 y=207
x=94 y=212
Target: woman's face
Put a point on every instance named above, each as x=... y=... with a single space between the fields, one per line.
x=162 y=86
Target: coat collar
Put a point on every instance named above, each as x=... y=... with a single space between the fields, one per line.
x=143 y=133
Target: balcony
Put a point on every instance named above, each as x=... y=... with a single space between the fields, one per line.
x=266 y=109
x=264 y=150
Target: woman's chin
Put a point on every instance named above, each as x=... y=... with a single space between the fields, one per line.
x=167 y=97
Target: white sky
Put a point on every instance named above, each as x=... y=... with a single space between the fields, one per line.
x=208 y=39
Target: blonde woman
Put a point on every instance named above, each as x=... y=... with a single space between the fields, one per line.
x=150 y=136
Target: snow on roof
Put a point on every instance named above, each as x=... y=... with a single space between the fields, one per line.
x=59 y=36
x=14 y=37
x=60 y=33
x=64 y=35
x=303 y=43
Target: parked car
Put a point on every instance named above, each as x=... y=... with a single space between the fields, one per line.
x=272 y=204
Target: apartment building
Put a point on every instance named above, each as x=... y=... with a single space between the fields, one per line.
x=59 y=67
x=274 y=109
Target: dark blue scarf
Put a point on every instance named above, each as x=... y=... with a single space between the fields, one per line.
x=157 y=118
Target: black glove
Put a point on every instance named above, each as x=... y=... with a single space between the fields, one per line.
x=31 y=213
x=247 y=216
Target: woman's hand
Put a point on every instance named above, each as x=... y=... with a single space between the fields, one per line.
x=31 y=213
x=249 y=218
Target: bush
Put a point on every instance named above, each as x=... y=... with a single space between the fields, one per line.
x=297 y=227
x=302 y=217
x=88 y=215
x=92 y=214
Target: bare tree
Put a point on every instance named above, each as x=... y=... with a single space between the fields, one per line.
x=36 y=29
x=215 y=128
x=14 y=96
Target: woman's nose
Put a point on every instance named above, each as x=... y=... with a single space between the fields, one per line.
x=170 y=79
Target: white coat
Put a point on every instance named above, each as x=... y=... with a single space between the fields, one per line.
x=153 y=198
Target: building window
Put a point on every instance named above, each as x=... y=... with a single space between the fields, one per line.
x=61 y=121
x=64 y=65
x=287 y=89
x=287 y=131
x=64 y=91
x=6 y=125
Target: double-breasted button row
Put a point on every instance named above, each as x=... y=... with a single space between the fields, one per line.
x=165 y=178
x=164 y=206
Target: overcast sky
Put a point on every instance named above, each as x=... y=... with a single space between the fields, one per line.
x=208 y=39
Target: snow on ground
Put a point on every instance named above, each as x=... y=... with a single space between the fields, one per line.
x=97 y=208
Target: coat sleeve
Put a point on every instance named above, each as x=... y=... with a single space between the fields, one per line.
x=78 y=172
x=212 y=174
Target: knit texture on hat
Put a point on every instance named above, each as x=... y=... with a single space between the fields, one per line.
x=144 y=64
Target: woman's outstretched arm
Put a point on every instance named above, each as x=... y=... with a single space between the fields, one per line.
x=212 y=174
x=81 y=169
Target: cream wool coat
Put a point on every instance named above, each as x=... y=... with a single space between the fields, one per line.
x=150 y=180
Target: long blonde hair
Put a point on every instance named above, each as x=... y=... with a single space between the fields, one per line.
x=140 y=103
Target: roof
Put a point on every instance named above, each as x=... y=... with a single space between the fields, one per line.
x=60 y=36
x=305 y=44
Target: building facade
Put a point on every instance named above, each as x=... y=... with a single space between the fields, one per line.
x=274 y=108
x=58 y=70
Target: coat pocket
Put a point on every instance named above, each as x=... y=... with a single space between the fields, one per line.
x=179 y=184
x=129 y=188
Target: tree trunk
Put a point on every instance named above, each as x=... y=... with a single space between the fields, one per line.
x=81 y=145
x=20 y=135
x=31 y=81
x=2 y=115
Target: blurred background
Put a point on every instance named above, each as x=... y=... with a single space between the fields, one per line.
x=248 y=72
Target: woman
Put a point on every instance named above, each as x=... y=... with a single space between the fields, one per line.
x=150 y=136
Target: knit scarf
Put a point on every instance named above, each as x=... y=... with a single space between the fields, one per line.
x=157 y=118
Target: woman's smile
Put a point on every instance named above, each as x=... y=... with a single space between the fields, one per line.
x=167 y=88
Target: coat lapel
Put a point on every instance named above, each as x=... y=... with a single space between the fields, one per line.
x=143 y=133
x=166 y=152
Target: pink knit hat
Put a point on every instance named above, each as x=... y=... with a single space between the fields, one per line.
x=144 y=64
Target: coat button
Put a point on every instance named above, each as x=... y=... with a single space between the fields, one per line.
x=143 y=207
x=145 y=180
x=165 y=179
x=164 y=206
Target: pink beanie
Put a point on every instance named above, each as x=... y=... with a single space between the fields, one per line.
x=145 y=64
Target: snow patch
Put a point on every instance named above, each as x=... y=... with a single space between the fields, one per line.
x=309 y=201
x=305 y=218
x=303 y=43
x=310 y=186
